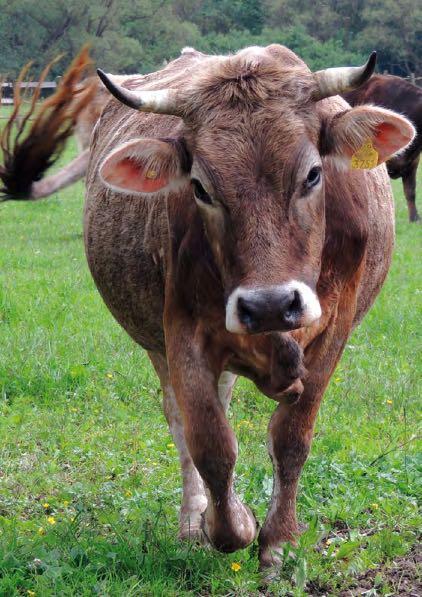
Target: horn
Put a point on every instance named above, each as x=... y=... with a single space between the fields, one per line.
x=333 y=81
x=158 y=101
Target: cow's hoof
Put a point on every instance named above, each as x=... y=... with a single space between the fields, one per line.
x=193 y=535
x=228 y=535
x=271 y=557
x=270 y=564
x=270 y=561
x=190 y=519
x=415 y=218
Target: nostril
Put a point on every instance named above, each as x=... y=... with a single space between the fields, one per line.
x=245 y=311
x=294 y=309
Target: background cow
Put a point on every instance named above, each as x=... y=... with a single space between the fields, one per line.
x=227 y=233
x=403 y=97
x=29 y=151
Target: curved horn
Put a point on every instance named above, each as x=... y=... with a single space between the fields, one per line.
x=159 y=101
x=332 y=81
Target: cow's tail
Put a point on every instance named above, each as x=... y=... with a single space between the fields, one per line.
x=29 y=150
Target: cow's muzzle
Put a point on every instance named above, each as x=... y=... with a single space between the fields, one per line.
x=268 y=309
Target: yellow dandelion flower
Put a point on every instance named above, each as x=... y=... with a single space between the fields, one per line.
x=128 y=493
x=389 y=402
x=74 y=410
x=30 y=593
x=51 y=520
x=235 y=567
x=41 y=531
x=374 y=506
x=65 y=503
x=246 y=423
x=110 y=375
x=170 y=445
x=46 y=505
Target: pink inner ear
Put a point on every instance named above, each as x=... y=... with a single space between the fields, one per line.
x=129 y=174
x=388 y=140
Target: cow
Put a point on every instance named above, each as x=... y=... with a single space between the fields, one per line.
x=81 y=108
x=401 y=96
x=31 y=150
x=235 y=225
x=84 y=123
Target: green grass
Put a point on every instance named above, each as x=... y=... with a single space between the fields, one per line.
x=82 y=430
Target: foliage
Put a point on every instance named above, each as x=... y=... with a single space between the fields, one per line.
x=137 y=36
x=89 y=476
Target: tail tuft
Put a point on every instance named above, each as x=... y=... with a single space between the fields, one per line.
x=27 y=155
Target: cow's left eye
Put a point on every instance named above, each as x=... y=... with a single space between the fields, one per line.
x=313 y=178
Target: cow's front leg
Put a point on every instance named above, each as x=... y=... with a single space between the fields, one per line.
x=290 y=436
x=228 y=524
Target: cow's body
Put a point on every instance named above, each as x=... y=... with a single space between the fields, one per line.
x=401 y=96
x=159 y=272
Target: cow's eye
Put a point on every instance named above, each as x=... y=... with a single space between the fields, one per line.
x=314 y=176
x=200 y=193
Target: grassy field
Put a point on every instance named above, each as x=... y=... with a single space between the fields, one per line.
x=89 y=476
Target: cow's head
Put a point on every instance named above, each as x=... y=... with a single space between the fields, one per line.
x=250 y=154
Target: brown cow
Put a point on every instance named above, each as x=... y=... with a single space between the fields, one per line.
x=30 y=150
x=74 y=108
x=403 y=97
x=84 y=124
x=228 y=234
x=85 y=121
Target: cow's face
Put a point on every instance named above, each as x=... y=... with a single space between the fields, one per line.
x=249 y=155
x=258 y=184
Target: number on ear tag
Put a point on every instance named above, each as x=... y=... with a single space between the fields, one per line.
x=366 y=157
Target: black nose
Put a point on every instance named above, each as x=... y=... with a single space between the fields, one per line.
x=267 y=311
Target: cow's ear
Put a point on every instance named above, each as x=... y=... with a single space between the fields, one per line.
x=366 y=136
x=143 y=166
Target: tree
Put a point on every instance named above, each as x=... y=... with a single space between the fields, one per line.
x=138 y=35
x=394 y=28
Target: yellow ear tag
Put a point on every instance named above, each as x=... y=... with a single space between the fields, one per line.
x=366 y=157
x=151 y=174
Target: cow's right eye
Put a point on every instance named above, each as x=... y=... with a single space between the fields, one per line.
x=314 y=177
x=200 y=193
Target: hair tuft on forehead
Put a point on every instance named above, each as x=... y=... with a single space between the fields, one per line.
x=247 y=80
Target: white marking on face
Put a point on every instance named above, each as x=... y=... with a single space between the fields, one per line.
x=233 y=323
x=311 y=308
